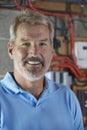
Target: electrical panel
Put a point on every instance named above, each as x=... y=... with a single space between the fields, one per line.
x=81 y=54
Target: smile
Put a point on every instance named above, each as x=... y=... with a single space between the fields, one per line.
x=34 y=62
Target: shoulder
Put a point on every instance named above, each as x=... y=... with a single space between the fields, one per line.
x=58 y=86
x=62 y=91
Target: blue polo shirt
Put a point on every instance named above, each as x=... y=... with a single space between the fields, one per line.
x=56 y=109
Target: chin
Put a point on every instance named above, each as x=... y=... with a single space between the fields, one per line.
x=32 y=78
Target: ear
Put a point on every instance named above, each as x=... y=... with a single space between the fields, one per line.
x=10 y=49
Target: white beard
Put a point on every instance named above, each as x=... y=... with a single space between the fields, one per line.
x=28 y=74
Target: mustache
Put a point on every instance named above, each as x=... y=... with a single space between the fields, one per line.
x=26 y=60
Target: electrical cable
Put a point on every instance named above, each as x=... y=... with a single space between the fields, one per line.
x=18 y=5
x=79 y=83
x=65 y=62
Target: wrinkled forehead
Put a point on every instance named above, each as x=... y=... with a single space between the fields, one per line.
x=33 y=31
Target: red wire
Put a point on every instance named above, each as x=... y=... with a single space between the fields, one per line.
x=65 y=62
x=19 y=6
x=44 y=12
x=72 y=47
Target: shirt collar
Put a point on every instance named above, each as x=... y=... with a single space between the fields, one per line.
x=11 y=86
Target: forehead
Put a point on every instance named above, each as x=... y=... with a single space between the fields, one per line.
x=32 y=30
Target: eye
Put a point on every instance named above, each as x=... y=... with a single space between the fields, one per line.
x=26 y=44
x=43 y=44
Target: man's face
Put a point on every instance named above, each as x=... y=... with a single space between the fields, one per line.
x=32 y=51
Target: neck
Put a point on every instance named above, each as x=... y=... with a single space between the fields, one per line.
x=35 y=88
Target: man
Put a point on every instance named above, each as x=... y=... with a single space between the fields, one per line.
x=28 y=100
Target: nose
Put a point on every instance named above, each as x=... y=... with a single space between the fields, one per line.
x=34 y=50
